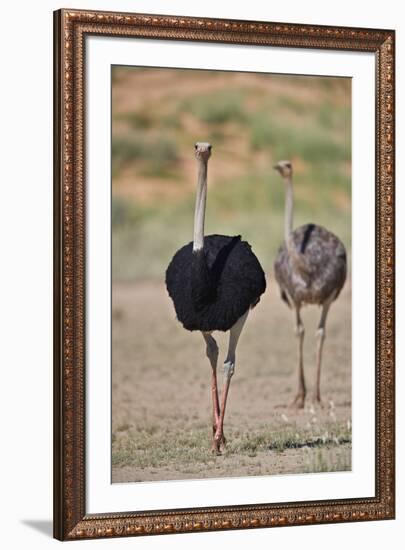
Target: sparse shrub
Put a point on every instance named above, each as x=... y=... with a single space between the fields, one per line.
x=126 y=149
x=139 y=119
x=217 y=108
x=310 y=142
x=161 y=153
x=157 y=153
x=123 y=213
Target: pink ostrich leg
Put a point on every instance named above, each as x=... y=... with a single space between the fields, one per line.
x=229 y=369
x=212 y=354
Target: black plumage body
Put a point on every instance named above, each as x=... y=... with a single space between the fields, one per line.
x=213 y=287
x=315 y=270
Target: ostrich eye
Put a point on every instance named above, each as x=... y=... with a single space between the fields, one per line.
x=195 y=146
x=209 y=147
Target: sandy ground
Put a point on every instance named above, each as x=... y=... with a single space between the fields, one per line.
x=161 y=403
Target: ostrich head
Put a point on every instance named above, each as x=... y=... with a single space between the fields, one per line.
x=202 y=151
x=284 y=168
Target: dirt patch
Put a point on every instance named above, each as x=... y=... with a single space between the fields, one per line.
x=161 y=392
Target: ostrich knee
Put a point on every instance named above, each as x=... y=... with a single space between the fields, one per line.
x=320 y=334
x=229 y=369
x=300 y=331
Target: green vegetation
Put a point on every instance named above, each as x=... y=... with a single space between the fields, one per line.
x=308 y=142
x=252 y=122
x=156 y=155
x=326 y=461
x=156 y=448
x=217 y=108
x=125 y=213
x=334 y=434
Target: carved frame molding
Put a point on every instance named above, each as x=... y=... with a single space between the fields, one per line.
x=71 y=28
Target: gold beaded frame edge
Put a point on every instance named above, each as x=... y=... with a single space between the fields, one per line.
x=70 y=518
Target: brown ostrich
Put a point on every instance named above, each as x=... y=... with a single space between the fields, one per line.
x=310 y=268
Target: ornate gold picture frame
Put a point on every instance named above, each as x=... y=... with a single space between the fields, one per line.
x=71 y=519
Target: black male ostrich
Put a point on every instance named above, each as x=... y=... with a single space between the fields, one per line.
x=310 y=268
x=213 y=282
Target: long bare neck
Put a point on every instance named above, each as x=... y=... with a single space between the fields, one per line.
x=289 y=209
x=200 y=202
x=288 y=218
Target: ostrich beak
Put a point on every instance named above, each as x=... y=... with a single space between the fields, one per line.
x=276 y=167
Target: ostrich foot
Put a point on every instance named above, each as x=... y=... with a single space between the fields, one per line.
x=223 y=438
x=298 y=401
x=317 y=401
x=218 y=442
x=215 y=449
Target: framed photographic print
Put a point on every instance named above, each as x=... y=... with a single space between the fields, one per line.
x=224 y=274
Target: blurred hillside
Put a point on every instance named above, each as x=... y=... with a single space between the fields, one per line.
x=252 y=120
